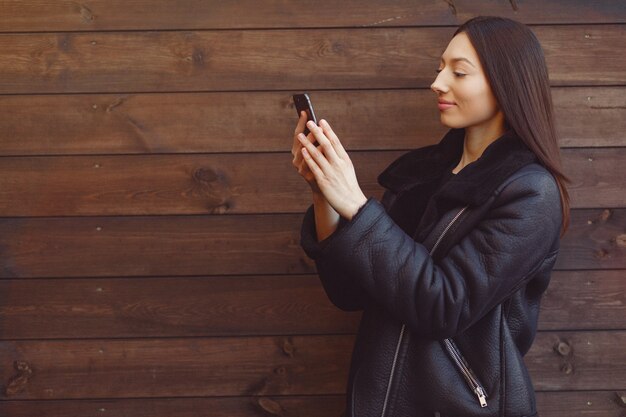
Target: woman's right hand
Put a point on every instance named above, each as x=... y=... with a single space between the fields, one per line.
x=298 y=159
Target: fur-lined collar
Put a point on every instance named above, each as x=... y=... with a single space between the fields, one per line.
x=474 y=183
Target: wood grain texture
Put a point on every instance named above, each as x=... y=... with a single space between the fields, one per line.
x=127 y=127
x=299 y=365
x=549 y=404
x=231 y=183
x=275 y=60
x=182 y=306
x=240 y=366
x=567 y=361
x=66 y=15
x=264 y=121
x=216 y=245
x=584 y=300
x=252 y=406
x=248 y=305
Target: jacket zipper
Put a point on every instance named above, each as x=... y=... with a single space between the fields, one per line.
x=395 y=356
x=469 y=376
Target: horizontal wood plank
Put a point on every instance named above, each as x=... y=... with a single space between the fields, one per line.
x=569 y=360
x=250 y=305
x=231 y=183
x=177 y=367
x=255 y=406
x=264 y=121
x=67 y=15
x=277 y=59
x=298 y=365
x=584 y=300
x=226 y=245
x=549 y=404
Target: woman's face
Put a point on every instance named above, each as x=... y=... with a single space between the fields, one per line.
x=464 y=83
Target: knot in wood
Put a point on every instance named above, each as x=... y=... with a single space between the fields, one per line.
x=23 y=367
x=206 y=175
x=270 y=406
x=288 y=348
x=601 y=253
x=280 y=370
x=567 y=368
x=18 y=382
x=606 y=214
x=563 y=348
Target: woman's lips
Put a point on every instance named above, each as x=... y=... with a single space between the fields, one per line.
x=444 y=106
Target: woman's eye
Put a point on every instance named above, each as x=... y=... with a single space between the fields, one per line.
x=458 y=74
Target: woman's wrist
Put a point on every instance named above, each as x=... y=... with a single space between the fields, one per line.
x=318 y=197
x=357 y=206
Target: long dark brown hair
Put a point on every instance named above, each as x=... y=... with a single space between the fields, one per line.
x=516 y=70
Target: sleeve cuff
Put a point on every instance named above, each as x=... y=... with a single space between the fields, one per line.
x=308 y=234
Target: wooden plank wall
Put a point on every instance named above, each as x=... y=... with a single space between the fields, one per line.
x=149 y=213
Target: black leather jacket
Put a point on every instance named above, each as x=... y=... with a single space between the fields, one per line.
x=449 y=280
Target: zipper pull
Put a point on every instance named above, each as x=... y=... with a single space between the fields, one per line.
x=481 y=396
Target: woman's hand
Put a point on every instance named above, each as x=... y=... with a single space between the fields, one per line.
x=332 y=169
x=298 y=160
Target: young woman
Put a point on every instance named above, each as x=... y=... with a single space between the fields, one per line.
x=449 y=267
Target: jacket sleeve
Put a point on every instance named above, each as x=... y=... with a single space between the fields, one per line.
x=484 y=268
x=337 y=279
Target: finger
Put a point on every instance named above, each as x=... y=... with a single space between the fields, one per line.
x=313 y=166
x=295 y=149
x=334 y=140
x=327 y=147
x=315 y=153
x=301 y=123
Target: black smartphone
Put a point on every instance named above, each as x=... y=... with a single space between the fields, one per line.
x=303 y=102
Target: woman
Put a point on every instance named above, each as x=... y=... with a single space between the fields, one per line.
x=450 y=266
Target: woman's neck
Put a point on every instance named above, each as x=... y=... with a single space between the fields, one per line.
x=476 y=140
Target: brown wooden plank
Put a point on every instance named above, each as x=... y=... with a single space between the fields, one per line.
x=254 y=406
x=178 y=367
x=251 y=305
x=216 y=245
x=230 y=183
x=596 y=237
x=264 y=121
x=590 y=116
x=581 y=403
x=266 y=60
x=577 y=360
x=549 y=404
x=258 y=406
x=220 y=122
x=198 y=306
x=298 y=365
x=584 y=300
x=66 y=15
x=148 y=246
x=163 y=184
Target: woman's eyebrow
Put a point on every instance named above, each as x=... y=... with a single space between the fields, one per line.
x=460 y=59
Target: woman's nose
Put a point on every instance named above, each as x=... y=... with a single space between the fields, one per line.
x=437 y=86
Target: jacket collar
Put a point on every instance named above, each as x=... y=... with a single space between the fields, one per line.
x=474 y=183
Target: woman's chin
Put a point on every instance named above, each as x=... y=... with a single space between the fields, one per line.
x=450 y=123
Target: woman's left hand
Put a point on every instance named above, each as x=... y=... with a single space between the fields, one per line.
x=333 y=170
